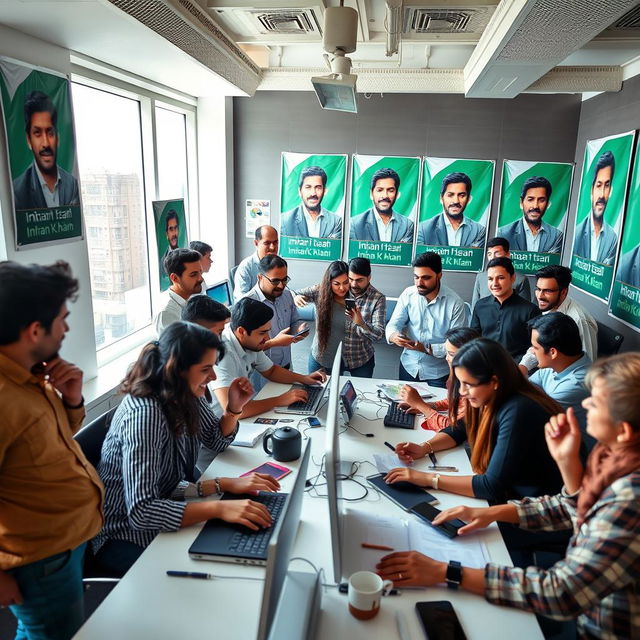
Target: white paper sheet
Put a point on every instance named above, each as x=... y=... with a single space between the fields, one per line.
x=386 y=462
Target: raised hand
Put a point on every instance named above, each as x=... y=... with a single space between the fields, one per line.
x=563 y=437
x=300 y=301
x=66 y=378
x=240 y=392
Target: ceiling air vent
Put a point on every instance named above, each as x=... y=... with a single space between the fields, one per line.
x=285 y=22
x=630 y=20
x=421 y=20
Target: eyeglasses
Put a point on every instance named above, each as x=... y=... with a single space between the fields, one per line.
x=276 y=281
x=538 y=290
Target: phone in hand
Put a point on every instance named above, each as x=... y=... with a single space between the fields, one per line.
x=440 y=621
x=304 y=332
x=428 y=512
x=350 y=304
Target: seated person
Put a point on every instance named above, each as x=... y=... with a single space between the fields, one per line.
x=413 y=403
x=149 y=454
x=504 y=424
x=208 y=313
x=598 y=580
x=204 y=250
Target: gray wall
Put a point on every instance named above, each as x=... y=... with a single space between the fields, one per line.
x=530 y=127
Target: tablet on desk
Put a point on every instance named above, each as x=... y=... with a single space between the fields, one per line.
x=404 y=494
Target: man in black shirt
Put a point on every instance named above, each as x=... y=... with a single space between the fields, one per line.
x=503 y=315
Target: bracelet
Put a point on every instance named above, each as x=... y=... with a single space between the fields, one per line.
x=428 y=444
x=200 y=490
x=216 y=481
x=75 y=406
x=434 y=481
x=233 y=413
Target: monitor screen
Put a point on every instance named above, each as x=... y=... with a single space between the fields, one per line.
x=349 y=399
x=220 y=292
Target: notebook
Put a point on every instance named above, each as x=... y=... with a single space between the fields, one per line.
x=248 y=434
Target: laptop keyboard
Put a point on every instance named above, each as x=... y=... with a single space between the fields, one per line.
x=312 y=393
x=255 y=543
x=398 y=418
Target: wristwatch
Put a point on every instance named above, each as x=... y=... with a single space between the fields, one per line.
x=454 y=574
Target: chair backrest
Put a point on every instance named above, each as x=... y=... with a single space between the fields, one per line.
x=91 y=436
x=609 y=341
x=232 y=279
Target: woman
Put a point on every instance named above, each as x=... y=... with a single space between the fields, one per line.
x=149 y=454
x=504 y=423
x=412 y=402
x=598 y=580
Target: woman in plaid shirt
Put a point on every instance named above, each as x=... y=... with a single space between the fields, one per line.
x=598 y=582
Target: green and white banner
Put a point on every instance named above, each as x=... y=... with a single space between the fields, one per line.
x=171 y=232
x=534 y=201
x=599 y=212
x=312 y=198
x=625 y=294
x=38 y=118
x=384 y=203
x=454 y=211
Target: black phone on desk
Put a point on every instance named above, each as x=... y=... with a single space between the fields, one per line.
x=440 y=621
x=428 y=512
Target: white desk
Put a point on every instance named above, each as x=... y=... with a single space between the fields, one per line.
x=147 y=604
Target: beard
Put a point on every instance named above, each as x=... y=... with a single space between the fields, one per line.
x=534 y=222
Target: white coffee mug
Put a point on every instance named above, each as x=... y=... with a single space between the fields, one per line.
x=365 y=591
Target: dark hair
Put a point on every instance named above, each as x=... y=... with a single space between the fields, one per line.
x=607 y=159
x=172 y=213
x=258 y=232
x=536 y=182
x=559 y=331
x=560 y=273
x=175 y=260
x=271 y=262
x=200 y=247
x=324 y=302
x=504 y=262
x=250 y=314
x=454 y=178
x=312 y=171
x=461 y=335
x=32 y=293
x=429 y=259
x=485 y=360
x=159 y=373
x=498 y=241
x=361 y=266
x=204 y=309
x=382 y=174
x=38 y=102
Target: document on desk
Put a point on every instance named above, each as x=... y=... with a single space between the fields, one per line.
x=471 y=551
x=387 y=461
x=392 y=391
x=248 y=433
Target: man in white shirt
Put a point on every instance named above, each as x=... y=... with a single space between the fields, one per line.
x=266 y=242
x=184 y=268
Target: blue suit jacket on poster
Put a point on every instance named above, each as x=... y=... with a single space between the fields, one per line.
x=364 y=227
x=607 y=245
x=295 y=224
x=434 y=232
x=28 y=192
x=550 y=238
x=629 y=269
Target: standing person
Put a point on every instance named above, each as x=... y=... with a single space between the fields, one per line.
x=423 y=315
x=266 y=242
x=503 y=315
x=597 y=582
x=204 y=250
x=51 y=496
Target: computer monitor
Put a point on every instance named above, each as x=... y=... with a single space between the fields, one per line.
x=220 y=292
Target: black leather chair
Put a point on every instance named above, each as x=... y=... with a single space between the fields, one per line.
x=609 y=341
x=92 y=435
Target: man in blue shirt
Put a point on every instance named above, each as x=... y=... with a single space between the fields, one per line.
x=266 y=242
x=423 y=315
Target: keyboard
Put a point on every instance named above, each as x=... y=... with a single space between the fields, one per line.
x=398 y=418
x=248 y=542
x=314 y=396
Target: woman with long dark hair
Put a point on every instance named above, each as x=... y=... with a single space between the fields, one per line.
x=148 y=461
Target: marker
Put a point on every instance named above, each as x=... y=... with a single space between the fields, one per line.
x=190 y=574
x=379 y=547
x=386 y=444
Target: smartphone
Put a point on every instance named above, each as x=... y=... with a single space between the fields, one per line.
x=301 y=333
x=350 y=304
x=270 y=468
x=314 y=422
x=270 y=421
x=428 y=512
x=440 y=621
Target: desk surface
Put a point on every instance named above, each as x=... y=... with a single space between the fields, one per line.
x=147 y=604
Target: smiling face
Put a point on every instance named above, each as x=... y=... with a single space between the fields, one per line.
x=455 y=199
x=340 y=286
x=312 y=192
x=272 y=283
x=545 y=360
x=268 y=244
x=548 y=294
x=42 y=139
x=255 y=340
x=600 y=192
x=477 y=394
x=384 y=195
x=500 y=282
x=199 y=375
x=600 y=425
x=534 y=204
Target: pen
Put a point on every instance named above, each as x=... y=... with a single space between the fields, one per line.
x=379 y=547
x=343 y=587
x=434 y=460
x=190 y=574
x=386 y=444
x=438 y=467
x=402 y=626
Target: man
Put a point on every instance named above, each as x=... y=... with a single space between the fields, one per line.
x=51 y=496
x=310 y=219
x=503 y=315
x=206 y=312
x=499 y=248
x=185 y=273
x=44 y=184
x=563 y=365
x=595 y=239
x=382 y=223
x=244 y=342
x=204 y=250
x=451 y=228
x=266 y=242
x=531 y=233
x=422 y=316
x=629 y=269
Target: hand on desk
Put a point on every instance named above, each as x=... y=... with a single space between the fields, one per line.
x=250 y=484
x=402 y=474
x=474 y=517
x=411 y=569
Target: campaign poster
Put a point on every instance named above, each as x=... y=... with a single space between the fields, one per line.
x=171 y=232
x=41 y=146
x=599 y=212
x=455 y=205
x=312 y=198
x=625 y=293
x=384 y=204
x=534 y=202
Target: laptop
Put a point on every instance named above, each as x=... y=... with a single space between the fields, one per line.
x=315 y=395
x=227 y=542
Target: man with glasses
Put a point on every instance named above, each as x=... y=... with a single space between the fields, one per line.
x=266 y=242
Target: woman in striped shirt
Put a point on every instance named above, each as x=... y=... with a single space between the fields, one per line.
x=148 y=462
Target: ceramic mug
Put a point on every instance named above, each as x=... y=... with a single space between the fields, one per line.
x=365 y=591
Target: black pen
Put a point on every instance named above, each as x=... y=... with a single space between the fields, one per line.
x=386 y=444
x=190 y=574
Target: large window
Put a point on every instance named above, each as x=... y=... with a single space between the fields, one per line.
x=171 y=144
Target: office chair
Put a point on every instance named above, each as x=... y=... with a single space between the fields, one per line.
x=609 y=341
x=232 y=279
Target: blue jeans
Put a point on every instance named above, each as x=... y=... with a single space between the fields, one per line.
x=404 y=375
x=53 y=598
x=363 y=371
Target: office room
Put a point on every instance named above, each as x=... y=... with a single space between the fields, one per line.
x=194 y=120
